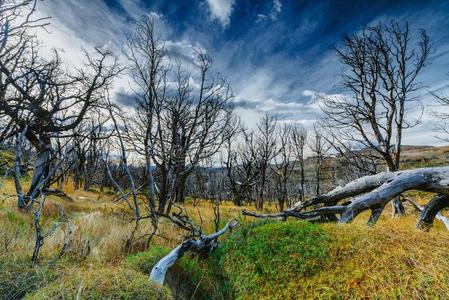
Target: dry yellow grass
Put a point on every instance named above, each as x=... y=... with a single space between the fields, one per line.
x=391 y=260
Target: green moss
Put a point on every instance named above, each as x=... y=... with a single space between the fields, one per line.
x=270 y=255
x=105 y=283
x=144 y=261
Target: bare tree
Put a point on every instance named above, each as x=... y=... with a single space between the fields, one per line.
x=189 y=128
x=284 y=165
x=197 y=242
x=42 y=103
x=177 y=124
x=36 y=199
x=299 y=139
x=240 y=163
x=266 y=150
x=88 y=143
x=148 y=68
x=40 y=94
x=132 y=197
x=320 y=147
x=443 y=126
x=373 y=193
x=383 y=63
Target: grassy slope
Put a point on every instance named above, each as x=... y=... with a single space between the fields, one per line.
x=389 y=261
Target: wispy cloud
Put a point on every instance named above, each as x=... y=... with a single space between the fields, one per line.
x=275 y=53
x=273 y=13
x=276 y=10
x=221 y=10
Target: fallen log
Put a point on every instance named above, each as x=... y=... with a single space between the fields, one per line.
x=431 y=211
x=204 y=245
x=373 y=193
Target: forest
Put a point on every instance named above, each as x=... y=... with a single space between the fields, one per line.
x=177 y=197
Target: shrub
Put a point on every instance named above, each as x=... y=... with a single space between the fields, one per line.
x=103 y=283
x=268 y=255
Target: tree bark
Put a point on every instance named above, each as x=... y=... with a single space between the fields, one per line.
x=41 y=168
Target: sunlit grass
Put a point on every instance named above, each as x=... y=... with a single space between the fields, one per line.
x=390 y=260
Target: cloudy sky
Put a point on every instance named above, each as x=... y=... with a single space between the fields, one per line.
x=275 y=53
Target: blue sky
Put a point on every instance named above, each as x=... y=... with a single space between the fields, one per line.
x=275 y=53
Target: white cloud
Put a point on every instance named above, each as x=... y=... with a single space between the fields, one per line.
x=261 y=18
x=308 y=93
x=276 y=10
x=221 y=10
x=272 y=15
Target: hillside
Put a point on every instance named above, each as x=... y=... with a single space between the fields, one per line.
x=259 y=260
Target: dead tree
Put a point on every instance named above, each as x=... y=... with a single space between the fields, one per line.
x=373 y=193
x=320 y=147
x=16 y=41
x=189 y=128
x=36 y=200
x=198 y=242
x=120 y=125
x=354 y=162
x=284 y=166
x=425 y=220
x=148 y=68
x=443 y=126
x=382 y=65
x=299 y=139
x=89 y=141
x=240 y=163
x=266 y=150
x=40 y=94
x=176 y=125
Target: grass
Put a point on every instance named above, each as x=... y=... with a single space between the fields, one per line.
x=269 y=256
x=18 y=276
x=293 y=260
x=267 y=260
x=102 y=283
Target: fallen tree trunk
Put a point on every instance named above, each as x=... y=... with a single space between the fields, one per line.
x=373 y=193
x=431 y=211
x=204 y=245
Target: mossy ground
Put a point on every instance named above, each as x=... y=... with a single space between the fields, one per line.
x=389 y=261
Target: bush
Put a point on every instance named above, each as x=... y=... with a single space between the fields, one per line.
x=269 y=255
x=19 y=276
x=104 y=283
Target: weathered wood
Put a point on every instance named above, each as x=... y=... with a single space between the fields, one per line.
x=353 y=188
x=374 y=192
x=431 y=210
x=205 y=244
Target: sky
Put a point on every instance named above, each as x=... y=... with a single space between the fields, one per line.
x=277 y=54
